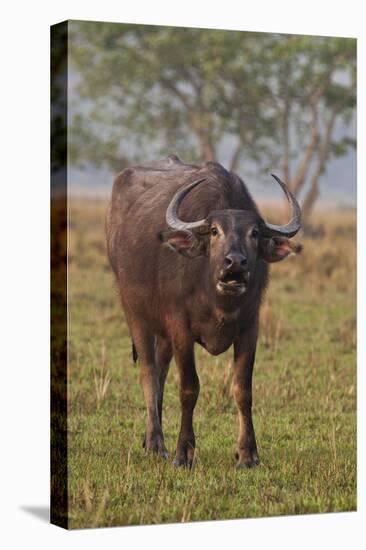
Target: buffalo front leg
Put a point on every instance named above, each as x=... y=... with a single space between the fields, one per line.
x=189 y=391
x=244 y=356
x=150 y=382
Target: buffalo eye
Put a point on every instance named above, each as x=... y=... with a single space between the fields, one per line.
x=254 y=233
x=214 y=231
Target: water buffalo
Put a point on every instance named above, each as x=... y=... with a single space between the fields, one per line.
x=190 y=251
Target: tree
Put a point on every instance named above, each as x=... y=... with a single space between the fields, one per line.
x=313 y=88
x=204 y=93
x=152 y=86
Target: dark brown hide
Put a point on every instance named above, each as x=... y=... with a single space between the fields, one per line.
x=179 y=288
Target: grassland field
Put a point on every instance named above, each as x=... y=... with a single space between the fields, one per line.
x=304 y=395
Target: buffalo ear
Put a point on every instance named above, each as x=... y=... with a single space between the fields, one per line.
x=276 y=249
x=184 y=242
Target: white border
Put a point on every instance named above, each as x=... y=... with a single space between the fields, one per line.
x=25 y=277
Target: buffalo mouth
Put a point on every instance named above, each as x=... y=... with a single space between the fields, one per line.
x=232 y=282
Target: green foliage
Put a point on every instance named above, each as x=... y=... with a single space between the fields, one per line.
x=304 y=397
x=142 y=92
x=161 y=85
x=340 y=148
x=148 y=90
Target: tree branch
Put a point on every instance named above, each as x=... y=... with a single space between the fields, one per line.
x=301 y=173
x=200 y=128
x=313 y=192
x=168 y=84
x=314 y=97
x=239 y=146
x=286 y=144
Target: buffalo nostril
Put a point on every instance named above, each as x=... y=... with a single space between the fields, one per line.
x=235 y=261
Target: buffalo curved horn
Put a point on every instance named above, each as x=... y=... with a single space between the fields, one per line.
x=171 y=215
x=293 y=226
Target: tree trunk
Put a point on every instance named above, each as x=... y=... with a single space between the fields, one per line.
x=207 y=149
x=313 y=192
x=300 y=177
x=239 y=147
x=309 y=201
x=236 y=156
x=286 y=144
x=201 y=125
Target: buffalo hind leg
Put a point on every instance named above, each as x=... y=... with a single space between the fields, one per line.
x=244 y=356
x=189 y=391
x=149 y=379
x=163 y=356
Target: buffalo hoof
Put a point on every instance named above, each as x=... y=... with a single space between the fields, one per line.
x=247 y=464
x=183 y=463
x=246 y=461
x=164 y=454
x=159 y=450
x=184 y=456
x=155 y=445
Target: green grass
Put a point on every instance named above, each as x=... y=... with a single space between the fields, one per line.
x=304 y=398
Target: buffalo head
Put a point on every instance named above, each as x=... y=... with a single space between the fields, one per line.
x=233 y=240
